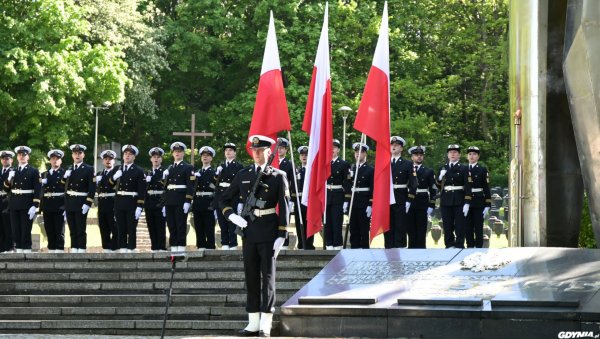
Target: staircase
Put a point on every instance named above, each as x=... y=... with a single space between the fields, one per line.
x=124 y=293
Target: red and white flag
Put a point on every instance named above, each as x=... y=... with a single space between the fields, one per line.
x=373 y=119
x=270 y=114
x=318 y=125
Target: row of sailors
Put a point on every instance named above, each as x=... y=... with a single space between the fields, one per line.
x=168 y=195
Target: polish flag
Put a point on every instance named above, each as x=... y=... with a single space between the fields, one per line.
x=270 y=114
x=373 y=119
x=318 y=125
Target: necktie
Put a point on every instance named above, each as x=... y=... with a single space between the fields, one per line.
x=126 y=168
x=75 y=167
x=470 y=167
x=394 y=161
x=416 y=168
x=258 y=169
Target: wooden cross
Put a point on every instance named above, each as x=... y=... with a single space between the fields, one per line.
x=193 y=134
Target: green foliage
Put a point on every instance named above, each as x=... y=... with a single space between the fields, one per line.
x=586 y=232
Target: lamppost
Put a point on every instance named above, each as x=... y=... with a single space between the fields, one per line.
x=90 y=105
x=345 y=112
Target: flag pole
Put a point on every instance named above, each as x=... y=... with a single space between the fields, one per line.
x=363 y=140
x=302 y=237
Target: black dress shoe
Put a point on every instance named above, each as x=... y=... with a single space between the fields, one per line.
x=245 y=333
x=263 y=334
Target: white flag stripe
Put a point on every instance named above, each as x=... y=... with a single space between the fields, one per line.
x=382 y=51
x=271 y=56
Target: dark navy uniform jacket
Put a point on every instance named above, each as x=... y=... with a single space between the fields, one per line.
x=425 y=180
x=153 y=201
x=226 y=177
x=265 y=228
x=106 y=186
x=363 y=199
x=479 y=178
x=180 y=175
x=53 y=185
x=340 y=176
x=81 y=180
x=133 y=180
x=205 y=184
x=26 y=179
x=457 y=175
x=300 y=173
x=402 y=172
x=4 y=197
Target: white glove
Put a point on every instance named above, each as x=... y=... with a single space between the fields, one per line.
x=369 y=211
x=164 y=211
x=117 y=175
x=67 y=174
x=277 y=245
x=85 y=209
x=44 y=181
x=198 y=174
x=31 y=212
x=165 y=174
x=219 y=169
x=98 y=179
x=215 y=214
x=186 y=207
x=407 y=205
x=148 y=178
x=442 y=173
x=65 y=215
x=138 y=213
x=466 y=209
x=351 y=174
x=429 y=211
x=345 y=207
x=11 y=174
x=236 y=219
x=485 y=211
x=240 y=207
x=291 y=206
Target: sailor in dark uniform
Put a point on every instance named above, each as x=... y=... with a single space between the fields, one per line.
x=204 y=212
x=6 y=238
x=285 y=165
x=263 y=236
x=421 y=198
x=155 y=218
x=401 y=173
x=130 y=184
x=338 y=199
x=455 y=198
x=106 y=202
x=224 y=175
x=360 y=218
x=25 y=185
x=80 y=186
x=300 y=173
x=179 y=180
x=53 y=202
x=481 y=199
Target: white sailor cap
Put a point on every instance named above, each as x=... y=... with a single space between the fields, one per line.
x=397 y=140
x=108 y=153
x=7 y=154
x=258 y=141
x=207 y=149
x=230 y=145
x=336 y=143
x=22 y=149
x=453 y=147
x=77 y=148
x=283 y=142
x=417 y=150
x=56 y=153
x=473 y=149
x=178 y=146
x=156 y=151
x=130 y=148
x=364 y=147
x=303 y=149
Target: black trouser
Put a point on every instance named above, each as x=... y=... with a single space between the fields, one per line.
x=396 y=236
x=54 y=224
x=333 y=225
x=417 y=227
x=360 y=226
x=228 y=236
x=156 y=228
x=177 y=222
x=77 y=222
x=204 y=224
x=21 y=228
x=453 y=221
x=309 y=241
x=6 y=236
x=108 y=228
x=126 y=228
x=259 y=272
x=474 y=227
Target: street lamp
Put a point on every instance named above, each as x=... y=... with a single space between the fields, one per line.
x=345 y=112
x=90 y=106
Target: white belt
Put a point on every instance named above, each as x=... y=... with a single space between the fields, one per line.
x=151 y=192
x=205 y=194
x=400 y=186
x=361 y=189
x=297 y=194
x=55 y=194
x=475 y=190
x=3 y=193
x=453 y=188
x=335 y=187
x=174 y=187
x=18 y=191
x=106 y=195
x=260 y=213
x=422 y=190
x=77 y=194
x=224 y=184
x=129 y=194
